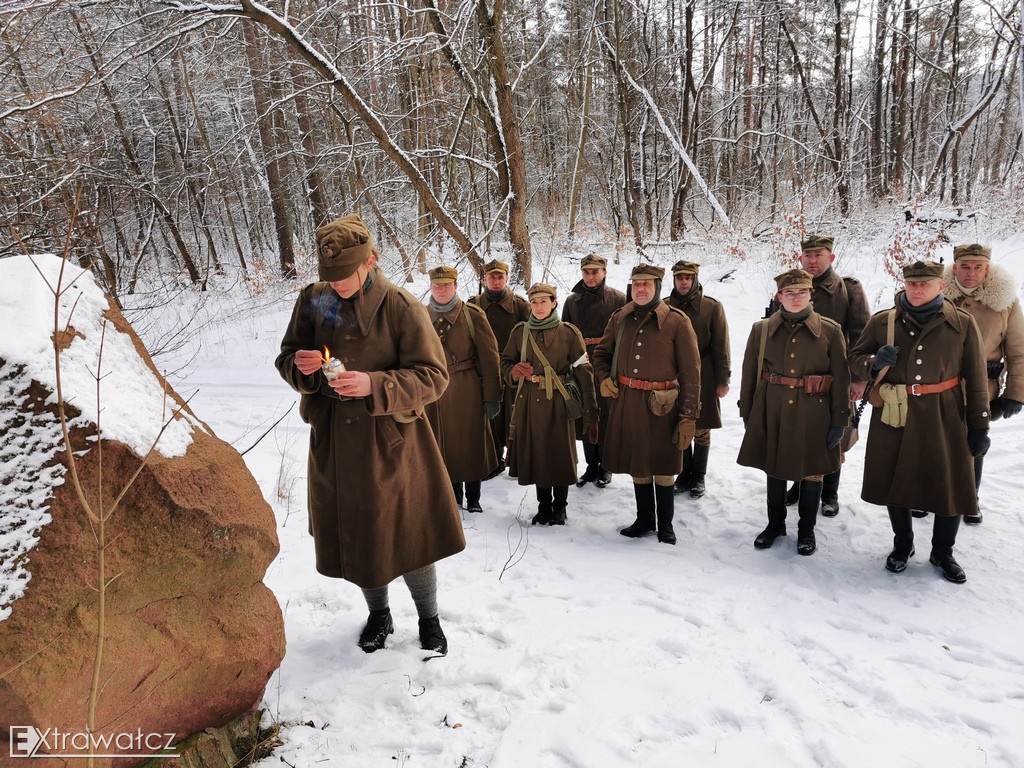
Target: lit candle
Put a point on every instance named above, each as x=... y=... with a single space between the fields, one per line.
x=331 y=366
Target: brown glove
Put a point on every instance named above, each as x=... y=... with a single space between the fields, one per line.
x=592 y=433
x=609 y=388
x=684 y=433
x=519 y=370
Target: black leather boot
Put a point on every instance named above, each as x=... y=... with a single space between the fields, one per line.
x=810 y=498
x=543 y=516
x=432 y=636
x=902 y=540
x=378 y=626
x=473 y=497
x=776 y=513
x=665 y=500
x=644 y=522
x=793 y=496
x=979 y=463
x=560 y=496
x=943 y=539
x=457 y=488
x=830 y=494
x=698 y=469
x=683 y=479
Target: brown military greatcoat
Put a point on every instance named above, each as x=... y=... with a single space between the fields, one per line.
x=927 y=463
x=786 y=428
x=658 y=345
x=708 y=320
x=462 y=430
x=380 y=504
x=543 y=440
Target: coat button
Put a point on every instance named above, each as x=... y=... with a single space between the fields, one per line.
x=918 y=377
x=391 y=385
x=918 y=362
x=790 y=402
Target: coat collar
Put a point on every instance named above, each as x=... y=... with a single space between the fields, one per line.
x=452 y=316
x=367 y=306
x=948 y=313
x=998 y=292
x=830 y=283
x=508 y=301
x=660 y=312
x=812 y=323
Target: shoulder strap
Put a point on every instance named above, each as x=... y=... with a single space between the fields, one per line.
x=760 y=352
x=615 y=349
x=890 y=337
x=550 y=378
x=469 y=322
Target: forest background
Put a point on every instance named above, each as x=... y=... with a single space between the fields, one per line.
x=190 y=139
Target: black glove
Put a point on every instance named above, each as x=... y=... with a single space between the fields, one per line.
x=491 y=408
x=978 y=441
x=835 y=435
x=886 y=355
x=1010 y=407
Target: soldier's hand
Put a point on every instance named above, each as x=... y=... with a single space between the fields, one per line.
x=685 y=432
x=857 y=389
x=609 y=388
x=308 y=361
x=592 y=433
x=886 y=355
x=1011 y=407
x=721 y=391
x=834 y=436
x=491 y=408
x=519 y=370
x=978 y=441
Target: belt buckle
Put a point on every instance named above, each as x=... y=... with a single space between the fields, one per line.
x=911 y=389
x=773 y=378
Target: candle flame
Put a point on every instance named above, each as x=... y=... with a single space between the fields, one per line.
x=327 y=354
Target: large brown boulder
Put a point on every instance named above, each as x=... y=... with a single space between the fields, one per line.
x=191 y=633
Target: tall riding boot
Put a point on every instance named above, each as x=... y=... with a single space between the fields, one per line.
x=473 y=497
x=902 y=540
x=810 y=498
x=683 y=479
x=665 y=498
x=543 y=516
x=793 y=496
x=979 y=462
x=604 y=477
x=644 y=522
x=590 y=454
x=830 y=494
x=559 y=503
x=457 y=487
x=776 y=514
x=943 y=539
x=698 y=469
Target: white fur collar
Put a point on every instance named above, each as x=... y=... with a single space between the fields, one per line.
x=998 y=292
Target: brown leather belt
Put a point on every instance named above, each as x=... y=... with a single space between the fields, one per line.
x=535 y=379
x=778 y=378
x=646 y=386
x=463 y=365
x=592 y=341
x=931 y=389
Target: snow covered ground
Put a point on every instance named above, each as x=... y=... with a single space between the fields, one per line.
x=578 y=647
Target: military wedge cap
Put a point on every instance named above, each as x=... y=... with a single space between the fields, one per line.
x=593 y=261
x=794 y=279
x=920 y=271
x=817 y=241
x=647 y=272
x=972 y=252
x=495 y=266
x=442 y=275
x=685 y=268
x=342 y=246
x=542 y=289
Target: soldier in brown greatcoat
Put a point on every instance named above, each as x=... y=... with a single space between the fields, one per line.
x=541 y=357
x=795 y=404
x=841 y=299
x=933 y=415
x=589 y=307
x=380 y=504
x=648 y=363
x=504 y=310
x=988 y=293
x=461 y=418
x=708 y=320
